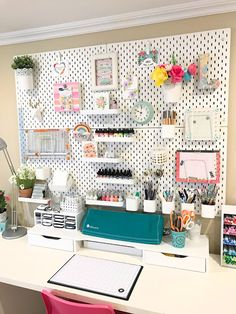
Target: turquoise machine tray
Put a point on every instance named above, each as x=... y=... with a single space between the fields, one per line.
x=123 y=226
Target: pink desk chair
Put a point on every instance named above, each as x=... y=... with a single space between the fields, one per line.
x=56 y=305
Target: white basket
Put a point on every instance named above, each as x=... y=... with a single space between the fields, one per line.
x=159 y=156
x=208 y=211
x=24 y=79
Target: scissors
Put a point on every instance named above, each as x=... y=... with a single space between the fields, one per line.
x=189 y=213
x=176 y=222
x=187 y=222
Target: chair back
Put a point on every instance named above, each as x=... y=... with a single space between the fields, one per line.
x=56 y=305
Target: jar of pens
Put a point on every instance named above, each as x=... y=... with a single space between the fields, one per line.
x=168 y=201
x=187 y=198
x=168 y=124
x=207 y=197
x=150 y=203
x=132 y=201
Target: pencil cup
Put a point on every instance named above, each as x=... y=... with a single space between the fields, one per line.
x=168 y=207
x=168 y=130
x=150 y=206
x=208 y=211
x=187 y=206
x=132 y=204
x=178 y=238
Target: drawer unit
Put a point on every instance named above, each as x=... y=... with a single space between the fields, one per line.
x=52 y=242
x=175 y=261
x=63 y=220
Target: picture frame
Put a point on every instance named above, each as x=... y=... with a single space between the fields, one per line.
x=89 y=149
x=198 y=166
x=67 y=96
x=102 y=101
x=104 y=72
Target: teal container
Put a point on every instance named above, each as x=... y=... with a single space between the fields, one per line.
x=178 y=238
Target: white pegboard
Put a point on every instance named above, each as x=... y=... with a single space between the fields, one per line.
x=187 y=48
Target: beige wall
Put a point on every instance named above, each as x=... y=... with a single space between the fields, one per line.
x=8 y=117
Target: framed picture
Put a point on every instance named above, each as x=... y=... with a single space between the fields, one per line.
x=104 y=72
x=198 y=166
x=89 y=149
x=102 y=100
x=67 y=96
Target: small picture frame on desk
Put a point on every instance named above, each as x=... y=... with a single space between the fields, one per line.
x=102 y=101
x=104 y=72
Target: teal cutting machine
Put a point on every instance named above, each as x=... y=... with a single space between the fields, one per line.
x=123 y=226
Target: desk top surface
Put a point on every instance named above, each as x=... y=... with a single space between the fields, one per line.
x=158 y=289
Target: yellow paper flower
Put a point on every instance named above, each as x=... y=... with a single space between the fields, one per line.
x=159 y=75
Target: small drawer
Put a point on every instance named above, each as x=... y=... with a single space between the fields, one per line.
x=179 y=261
x=51 y=242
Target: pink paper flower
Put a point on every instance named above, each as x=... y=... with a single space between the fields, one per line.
x=7 y=198
x=192 y=69
x=176 y=74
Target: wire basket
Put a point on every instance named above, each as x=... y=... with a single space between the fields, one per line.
x=159 y=156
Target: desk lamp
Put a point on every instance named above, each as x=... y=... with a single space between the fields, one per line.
x=14 y=232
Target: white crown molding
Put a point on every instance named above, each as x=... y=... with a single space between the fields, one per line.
x=137 y=18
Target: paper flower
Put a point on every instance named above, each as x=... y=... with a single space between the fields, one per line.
x=192 y=69
x=172 y=73
x=176 y=74
x=159 y=75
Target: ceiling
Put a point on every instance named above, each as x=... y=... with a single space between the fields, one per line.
x=41 y=19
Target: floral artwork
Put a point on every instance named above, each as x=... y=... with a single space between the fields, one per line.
x=203 y=74
x=67 y=96
x=89 y=149
x=172 y=73
x=102 y=100
x=130 y=87
x=60 y=68
x=148 y=57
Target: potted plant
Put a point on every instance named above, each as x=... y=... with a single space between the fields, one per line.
x=3 y=206
x=170 y=76
x=24 y=179
x=23 y=66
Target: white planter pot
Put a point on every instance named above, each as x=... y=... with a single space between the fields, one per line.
x=172 y=92
x=187 y=206
x=168 y=131
x=24 y=78
x=150 y=206
x=132 y=204
x=3 y=216
x=168 y=207
x=208 y=211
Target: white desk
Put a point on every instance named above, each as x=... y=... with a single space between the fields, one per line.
x=158 y=289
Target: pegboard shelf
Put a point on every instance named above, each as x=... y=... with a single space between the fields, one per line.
x=113 y=139
x=100 y=112
x=34 y=200
x=102 y=159
x=104 y=203
x=115 y=181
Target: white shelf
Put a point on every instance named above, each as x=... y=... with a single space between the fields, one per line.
x=115 y=181
x=34 y=200
x=100 y=111
x=113 y=139
x=104 y=203
x=102 y=159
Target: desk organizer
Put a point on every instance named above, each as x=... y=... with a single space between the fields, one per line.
x=228 y=236
x=194 y=256
x=62 y=220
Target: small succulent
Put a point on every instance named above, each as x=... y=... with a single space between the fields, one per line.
x=22 y=62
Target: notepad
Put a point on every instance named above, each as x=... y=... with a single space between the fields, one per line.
x=98 y=275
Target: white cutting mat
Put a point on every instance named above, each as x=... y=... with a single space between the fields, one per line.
x=98 y=275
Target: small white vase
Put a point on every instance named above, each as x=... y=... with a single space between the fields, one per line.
x=24 y=78
x=208 y=211
x=172 y=92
